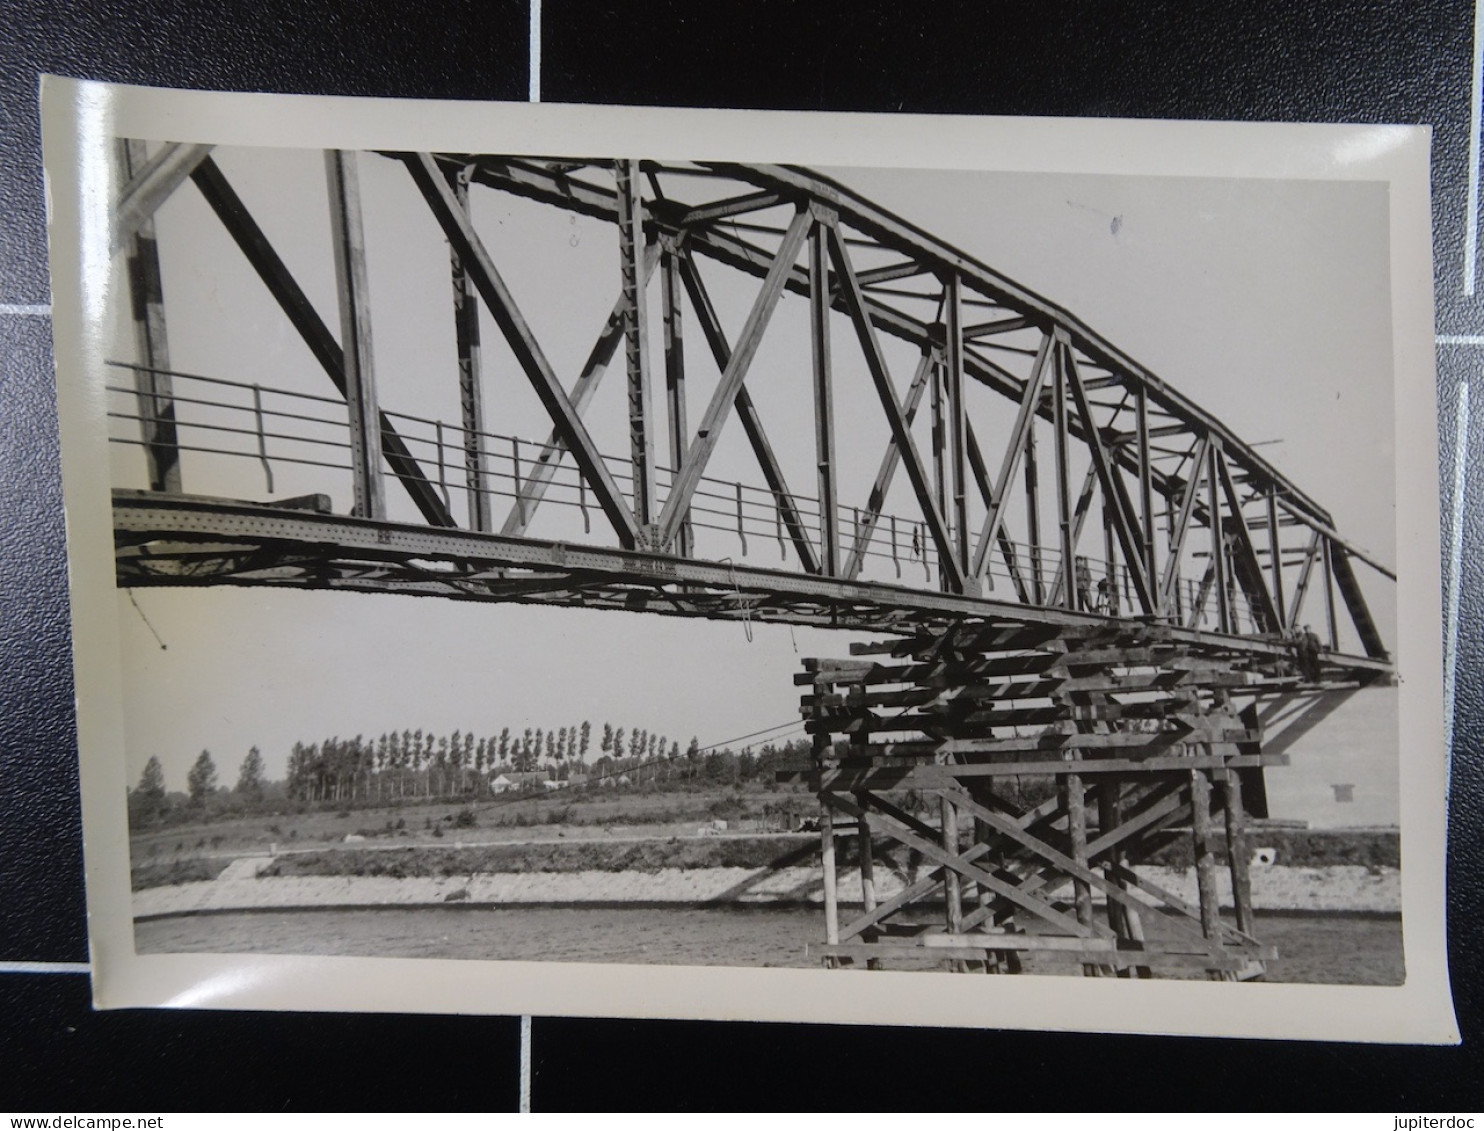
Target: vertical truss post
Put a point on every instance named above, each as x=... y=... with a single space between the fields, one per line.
x=316 y=336
x=1033 y=513
x=1275 y=552
x=1169 y=588
x=636 y=338
x=355 y=332
x=1146 y=495
x=1063 y=477
x=675 y=377
x=1111 y=569
x=466 y=333
x=152 y=382
x=856 y=305
x=958 y=423
x=688 y=475
x=824 y=403
x=1218 y=537
x=939 y=454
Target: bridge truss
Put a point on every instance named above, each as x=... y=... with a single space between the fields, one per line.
x=1082 y=565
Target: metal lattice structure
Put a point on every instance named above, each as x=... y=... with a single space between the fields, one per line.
x=1103 y=564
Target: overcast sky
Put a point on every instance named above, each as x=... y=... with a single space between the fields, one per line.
x=1267 y=302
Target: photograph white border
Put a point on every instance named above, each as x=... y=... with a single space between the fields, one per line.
x=79 y=121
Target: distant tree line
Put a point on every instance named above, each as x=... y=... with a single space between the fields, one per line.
x=418 y=764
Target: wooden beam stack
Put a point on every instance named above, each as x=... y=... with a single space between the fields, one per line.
x=1017 y=775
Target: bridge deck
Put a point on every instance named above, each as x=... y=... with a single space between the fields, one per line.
x=180 y=540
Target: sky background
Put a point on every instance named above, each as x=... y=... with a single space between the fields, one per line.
x=1266 y=302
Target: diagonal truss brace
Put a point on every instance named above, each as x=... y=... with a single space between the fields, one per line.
x=688 y=477
x=1115 y=493
x=255 y=247
x=545 y=465
x=901 y=431
x=481 y=267
x=747 y=413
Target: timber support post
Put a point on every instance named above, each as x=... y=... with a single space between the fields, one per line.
x=1079 y=753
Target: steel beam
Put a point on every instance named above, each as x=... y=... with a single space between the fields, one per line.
x=1218 y=536
x=544 y=467
x=1066 y=569
x=747 y=415
x=886 y=472
x=1116 y=501
x=471 y=394
x=151 y=184
x=1015 y=449
x=301 y=314
x=354 y=299
x=957 y=420
x=152 y=380
x=824 y=402
x=688 y=476
x=631 y=241
x=876 y=364
x=523 y=343
x=1188 y=496
x=675 y=373
x=1249 y=571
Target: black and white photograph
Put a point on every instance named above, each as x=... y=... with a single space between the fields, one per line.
x=886 y=568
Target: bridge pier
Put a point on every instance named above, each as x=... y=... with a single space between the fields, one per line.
x=998 y=782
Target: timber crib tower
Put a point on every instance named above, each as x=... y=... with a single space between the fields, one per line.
x=1017 y=774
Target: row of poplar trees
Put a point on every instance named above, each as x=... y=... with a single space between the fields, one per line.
x=414 y=763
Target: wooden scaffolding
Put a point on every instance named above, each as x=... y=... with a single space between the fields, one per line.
x=1012 y=778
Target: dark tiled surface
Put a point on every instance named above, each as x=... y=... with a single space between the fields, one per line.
x=55 y=1052
x=1358 y=60
x=41 y=916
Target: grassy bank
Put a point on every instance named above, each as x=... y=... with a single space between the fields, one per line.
x=1293 y=847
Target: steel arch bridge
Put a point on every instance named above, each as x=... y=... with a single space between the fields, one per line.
x=1041 y=508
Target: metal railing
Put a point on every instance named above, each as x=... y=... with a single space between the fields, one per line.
x=276 y=427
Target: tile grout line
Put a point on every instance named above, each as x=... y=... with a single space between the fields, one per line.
x=1471 y=223
x=525 y=1065
x=533 y=94
x=44 y=967
x=1455 y=563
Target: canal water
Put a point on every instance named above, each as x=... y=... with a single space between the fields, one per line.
x=1330 y=948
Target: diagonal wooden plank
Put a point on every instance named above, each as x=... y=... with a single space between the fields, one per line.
x=955 y=862
x=1048 y=854
x=855 y=302
x=914 y=891
x=301 y=314
x=501 y=303
x=688 y=477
